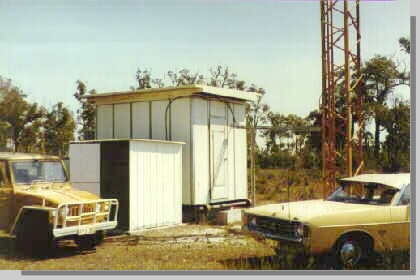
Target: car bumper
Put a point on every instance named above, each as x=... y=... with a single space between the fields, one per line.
x=83 y=229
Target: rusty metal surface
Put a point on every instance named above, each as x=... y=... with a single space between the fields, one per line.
x=342 y=101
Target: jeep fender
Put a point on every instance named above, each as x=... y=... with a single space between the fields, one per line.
x=31 y=212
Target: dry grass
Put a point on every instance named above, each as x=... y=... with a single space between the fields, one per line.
x=152 y=251
x=279 y=185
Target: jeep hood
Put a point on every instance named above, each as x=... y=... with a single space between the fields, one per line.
x=320 y=211
x=54 y=196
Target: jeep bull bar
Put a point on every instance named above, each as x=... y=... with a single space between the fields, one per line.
x=85 y=218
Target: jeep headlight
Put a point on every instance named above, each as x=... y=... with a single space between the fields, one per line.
x=53 y=213
x=64 y=211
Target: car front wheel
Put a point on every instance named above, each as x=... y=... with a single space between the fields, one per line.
x=350 y=252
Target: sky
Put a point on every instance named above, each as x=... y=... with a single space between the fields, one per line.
x=46 y=46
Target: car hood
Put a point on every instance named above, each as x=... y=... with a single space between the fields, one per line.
x=54 y=195
x=318 y=211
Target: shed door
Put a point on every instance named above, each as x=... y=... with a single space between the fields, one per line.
x=219 y=155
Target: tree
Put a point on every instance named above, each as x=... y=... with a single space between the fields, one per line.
x=381 y=78
x=396 y=148
x=405 y=44
x=59 y=130
x=86 y=115
x=17 y=114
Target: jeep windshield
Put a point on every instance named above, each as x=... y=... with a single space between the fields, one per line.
x=37 y=171
x=369 y=193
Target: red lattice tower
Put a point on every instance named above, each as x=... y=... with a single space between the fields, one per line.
x=342 y=98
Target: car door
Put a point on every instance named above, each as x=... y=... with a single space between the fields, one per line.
x=400 y=220
x=6 y=198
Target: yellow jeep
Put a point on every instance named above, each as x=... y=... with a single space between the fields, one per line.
x=369 y=212
x=39 y=206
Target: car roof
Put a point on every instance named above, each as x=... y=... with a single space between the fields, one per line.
x=24 y=156
x=398 y=180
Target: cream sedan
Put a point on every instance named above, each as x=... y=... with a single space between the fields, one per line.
x=366 y=213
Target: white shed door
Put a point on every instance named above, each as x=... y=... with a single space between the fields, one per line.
x=219 y=155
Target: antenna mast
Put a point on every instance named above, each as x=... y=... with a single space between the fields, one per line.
x=342 y=101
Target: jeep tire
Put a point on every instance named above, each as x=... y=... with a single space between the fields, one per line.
x=89 y=242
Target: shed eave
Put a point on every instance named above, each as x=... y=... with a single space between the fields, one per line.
x=172 y=92
x=127 y=140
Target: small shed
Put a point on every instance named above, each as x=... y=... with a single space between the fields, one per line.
x=144 y=175
x=211 y=121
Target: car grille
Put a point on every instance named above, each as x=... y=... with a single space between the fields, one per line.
x=276 y=226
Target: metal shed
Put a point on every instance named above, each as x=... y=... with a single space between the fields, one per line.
x=211 y=121
x=144 y=175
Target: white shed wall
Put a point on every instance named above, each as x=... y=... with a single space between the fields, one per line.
x=231 y=154
x=85 y=164
x=158 y=119
x=122 y=121
x=140 y=120
x=241 y=174
x=104 y=122
x=181 y=131
x=200 y=151
x=155 y=185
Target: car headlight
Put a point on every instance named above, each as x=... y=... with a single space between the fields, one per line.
x=244 y=219
x=252 y=222
x=299 y=230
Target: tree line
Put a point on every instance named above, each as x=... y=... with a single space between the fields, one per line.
x=289 y=141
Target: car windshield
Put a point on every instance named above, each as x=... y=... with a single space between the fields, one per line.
x=363 y=194
x=36 y=171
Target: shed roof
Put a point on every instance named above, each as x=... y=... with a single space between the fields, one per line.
x=127 y=140
x=398 y=180
x=172 y=92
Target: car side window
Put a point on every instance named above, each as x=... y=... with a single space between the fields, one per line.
x=405 y=197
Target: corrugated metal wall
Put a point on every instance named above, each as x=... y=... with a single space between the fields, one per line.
x=145 y=176
x=155 y=184
x=140 y=120
x=240 y=166
x=200 y=151
x=85 y=174
x=188 y=122
x=122 y=121
x=181 y=131
x=105 y=122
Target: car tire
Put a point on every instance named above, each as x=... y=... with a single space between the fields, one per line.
x=351 y=251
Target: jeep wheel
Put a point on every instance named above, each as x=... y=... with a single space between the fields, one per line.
x=99 y=237
x=86 y=242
